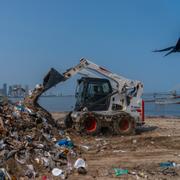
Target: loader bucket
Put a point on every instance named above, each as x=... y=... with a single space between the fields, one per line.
x=52 y=78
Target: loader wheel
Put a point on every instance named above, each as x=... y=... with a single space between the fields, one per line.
x=68 y=121
x=124 y=125
x=92 y=125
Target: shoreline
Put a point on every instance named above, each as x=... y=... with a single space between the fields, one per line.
x=162 y=117
x=63 y=113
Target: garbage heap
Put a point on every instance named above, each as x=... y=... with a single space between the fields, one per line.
x=31 y=142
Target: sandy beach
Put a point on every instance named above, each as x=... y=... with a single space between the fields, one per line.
x=158 y=141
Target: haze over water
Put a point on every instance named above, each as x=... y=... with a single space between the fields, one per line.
x=66 y=103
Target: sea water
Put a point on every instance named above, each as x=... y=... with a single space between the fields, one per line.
x=66 y=103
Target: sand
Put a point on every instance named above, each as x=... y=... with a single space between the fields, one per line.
x=158 y=141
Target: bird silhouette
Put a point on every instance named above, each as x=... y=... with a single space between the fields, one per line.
x=173 y=49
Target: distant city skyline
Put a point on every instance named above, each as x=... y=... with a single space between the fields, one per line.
x=15 y=90
x=19 y=90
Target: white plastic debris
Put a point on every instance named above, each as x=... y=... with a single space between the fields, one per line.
x=79 y=163
x=57 y=172
x=117 y=151
x=38 y=86
x=84 y=147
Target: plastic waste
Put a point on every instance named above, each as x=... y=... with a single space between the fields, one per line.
x=117 y=151
x=29 y=138
x=73 y=153
x=40 y=146
x=28 y=110
x=4 y=174
x=69 y=167
x=20 y=107
x=45 y=161
x=30 y=173
x=82 y=170
x=66 y=143
x=57 y=172
x=81 y=166
x=38 y=86
x=2 y=145
x=119 y=172
x=61 y=132
x=79 y=163
x=142 y=175
x=16 y=114
x=167 y=164
x=44 y=178
x=84 y=147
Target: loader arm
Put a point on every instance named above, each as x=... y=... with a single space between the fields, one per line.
x=122 y=84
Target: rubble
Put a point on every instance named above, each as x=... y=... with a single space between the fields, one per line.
x=31 y=142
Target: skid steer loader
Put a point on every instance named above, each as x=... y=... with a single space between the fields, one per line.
x=103 y=99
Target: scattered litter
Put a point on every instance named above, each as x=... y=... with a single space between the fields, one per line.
x=80 y=165
x=69 y=167
x=28 y=140
x=152 y=142
x=168 y=168
x=4 y=174
x=117 y=151
x=30 y=173
x=86 y=148
x=169 y=171
x=82 y=170
x=45 y=178
x=65 y=142
x=99 y=139
x=119 y=172
x=167 y=164
x=142 y=175
x=57 y=172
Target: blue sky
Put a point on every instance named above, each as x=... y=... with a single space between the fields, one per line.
x=120 y=35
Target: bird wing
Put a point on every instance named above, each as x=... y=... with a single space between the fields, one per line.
x=169 y=52
x=178 y=45
x=166 y=49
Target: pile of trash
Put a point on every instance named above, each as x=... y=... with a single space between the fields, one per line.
x=32 y=143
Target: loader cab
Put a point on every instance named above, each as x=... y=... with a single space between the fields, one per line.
x=93 y=94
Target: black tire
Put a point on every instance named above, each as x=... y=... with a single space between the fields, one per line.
x=124 y=124
x=92 y=125
x=68 y=122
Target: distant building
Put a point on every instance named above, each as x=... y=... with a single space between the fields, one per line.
x=10 y=91
x=26 y=90
x=5 y=89
x=1 y=92
x=17 y=90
